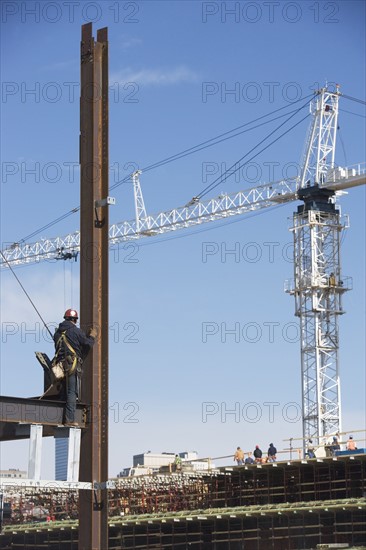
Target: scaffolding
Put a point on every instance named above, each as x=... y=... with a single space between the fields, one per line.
x=253 y=528
x=285 y=505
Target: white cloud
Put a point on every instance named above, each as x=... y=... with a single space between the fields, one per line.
x=155 y=77
x=61 y=65
x=130 y=43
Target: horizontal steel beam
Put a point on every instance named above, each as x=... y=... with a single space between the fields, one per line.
x=22 y=483
x=17 y=414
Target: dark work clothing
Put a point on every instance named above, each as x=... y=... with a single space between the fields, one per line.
x=272 y=451
x=257 y=453
x=335 y=447
x=81 y=345
x=70 y=395
x=76 y=337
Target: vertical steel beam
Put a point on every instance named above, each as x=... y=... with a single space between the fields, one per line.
x=94 y=224
x=35 y=452
x=73 y=454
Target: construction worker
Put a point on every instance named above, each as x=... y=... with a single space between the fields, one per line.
x=351 y=444
x=72 y=346
x=272 y=452
x=334 y=447
x=310 y=451
x=178 y=463
x=257 y=453
x=239 y=456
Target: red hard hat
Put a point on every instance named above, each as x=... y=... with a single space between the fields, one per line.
x=71 y=314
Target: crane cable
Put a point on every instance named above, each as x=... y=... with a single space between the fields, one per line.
x=342 y=143
x=229 y=171
x=177 y=156
x=197 y=148
x=220 y=179
x=186 y=152
x=351 y=113
x=50 y=224
x=361 y=101
x=208 y=143
x=27 y=295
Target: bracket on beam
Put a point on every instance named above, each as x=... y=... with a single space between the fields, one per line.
x=99 y=486
x=109 y=201
x=99 y=204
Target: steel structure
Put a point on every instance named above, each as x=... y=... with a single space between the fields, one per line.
x=287 y=505
x=319 y=152
x=318 y=290
x=336 y=524
x=94 y=223
x=140 y=209
x=318 y=284
x=17 y=414
x=218 y=208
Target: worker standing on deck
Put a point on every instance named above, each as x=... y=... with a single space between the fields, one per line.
x=177 y=463
x=272 y=452
x=311 y=450
x=239 y=456
x=351 y=444
x=257 y=453
x=72 y=346
x=334 y=447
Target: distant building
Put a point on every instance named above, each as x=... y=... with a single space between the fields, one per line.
x=61 y=454
x=189 y=455
x=14 y=473
x=197 y=465
x=153 y=461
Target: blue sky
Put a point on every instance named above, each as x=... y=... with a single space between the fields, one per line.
x=180 y=73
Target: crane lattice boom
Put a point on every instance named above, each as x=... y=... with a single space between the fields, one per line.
x=195 y=213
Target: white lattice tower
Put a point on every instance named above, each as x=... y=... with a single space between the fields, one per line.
x=318 y=284
x=140 y=209
x=318 y=291
x=320 y=146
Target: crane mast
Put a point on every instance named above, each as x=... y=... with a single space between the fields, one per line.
x=319 y=152
x=318 y=285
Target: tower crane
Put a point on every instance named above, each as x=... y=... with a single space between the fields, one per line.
x=318 y=284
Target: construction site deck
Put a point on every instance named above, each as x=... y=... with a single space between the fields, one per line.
x=295 y=504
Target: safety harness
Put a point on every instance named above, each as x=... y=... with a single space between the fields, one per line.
x=70 y=361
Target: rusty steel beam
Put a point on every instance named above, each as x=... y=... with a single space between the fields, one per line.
x=94 y=224
x=18 y=413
